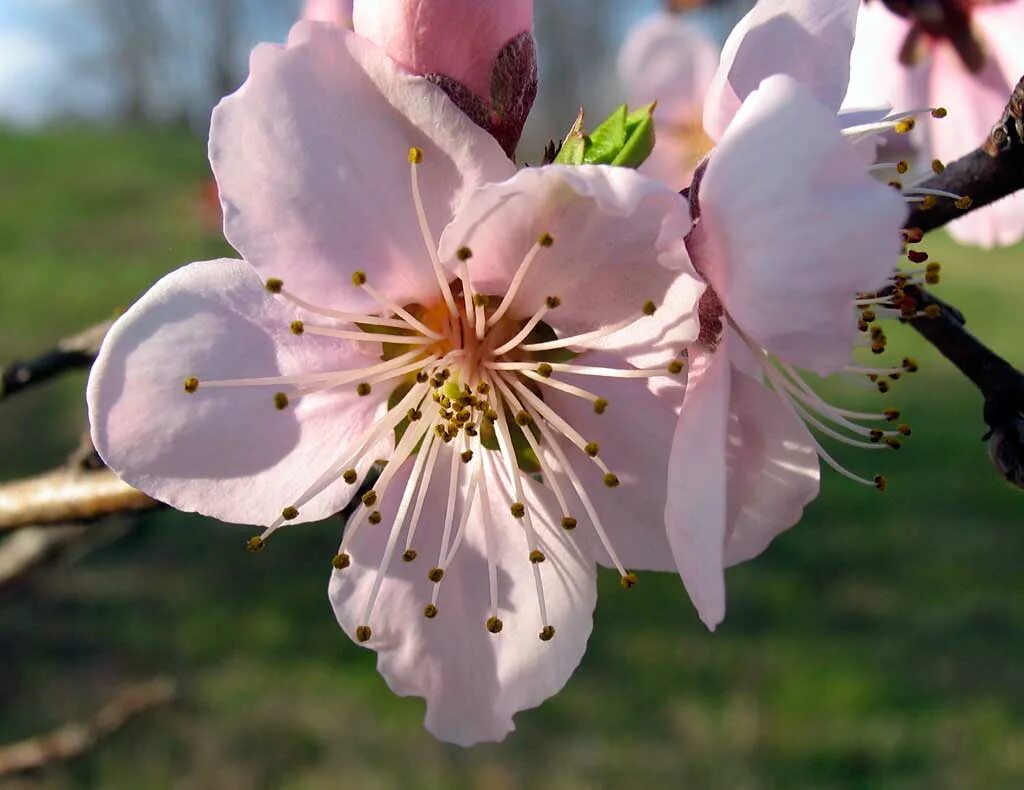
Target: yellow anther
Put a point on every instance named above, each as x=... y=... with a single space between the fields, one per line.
x=675 y=367
x=254 y=544
x=552 y=302
x=374 y=517
x=904 y=126
x=611 y=480
x=363 y=389
x=592 y=449
x=280 y=401
x=409 y=555
x=445 y=374
x=467 y=456
x=933 y=311
x=628 y=581
x=536 y=556
x=518 y=509
x=964 y=203
x=349 y=476
x=649 y=307
x=939 y=112
x=545 y=240
x=891 y=415
x=902 y=167
x=435 y=574
x=470 y=430
x=358 y=278
x=883 y=386
x=481 y=300
x=370 y=498
x=422 y=377
x=523 y=418
x=878 y=347
x=290 y=513
x=897 y=185
x=876 y=435
x=881 y=483
x=415 y=155
x=341 y=561
x=494 y=625
x=544 y=369
x=600 y=405
x=297 y=327
x=491 y=415
x=929 y=202
x=483 y=387
x=464 y=253
x=868 y=316
x=191 y=384
x=430 y=611
x=932 y=278
x=910 y=364
x=546 y=633
x=937 y=166
x=413 y=414
x=363 y=633
x=568 y=522
x=274 y=285
x=904 y=429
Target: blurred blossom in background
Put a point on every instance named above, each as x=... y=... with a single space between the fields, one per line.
x=878 y=643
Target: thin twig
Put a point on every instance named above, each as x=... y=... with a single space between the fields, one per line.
x=992 y=171
x=76 y=738
x=72 y=353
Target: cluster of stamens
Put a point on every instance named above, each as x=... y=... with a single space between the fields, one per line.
x=467 y=382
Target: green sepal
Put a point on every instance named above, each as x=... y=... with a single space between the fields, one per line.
x=623 y=139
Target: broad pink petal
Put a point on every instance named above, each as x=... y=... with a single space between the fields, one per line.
x=457 y=38
x=635 y=439
x=773 y=466
x=810 y=40
x=618 y=242
x=669 y=60
x=696 y=507
x=226 y=453
x=792 y=227
x=335 y=12
x=311 y=157
x=975 y=102
x=473 y=681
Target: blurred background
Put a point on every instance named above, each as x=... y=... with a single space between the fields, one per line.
x=878 y=644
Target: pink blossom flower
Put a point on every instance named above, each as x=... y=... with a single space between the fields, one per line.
x=406 y=296
x=480 y=51
x=966 y=57
x=335 y=12
x=789 y=229
x=670 y=60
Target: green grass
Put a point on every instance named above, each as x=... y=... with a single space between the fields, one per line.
x=879 y=644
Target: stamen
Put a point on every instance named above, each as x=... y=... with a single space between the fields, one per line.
x=369 y=337
x=517 y=280
x=415 y=158
x=583 y=370
x=387 y=304
x=523 y=333
x=355 y=318
x=561 y=385
x=581 y=339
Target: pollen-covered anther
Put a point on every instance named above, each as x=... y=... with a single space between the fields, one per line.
x=363 y=633
x=523 y=418
x=910 y=365
x=939 y=112
x=917 y=256
x=628 y=581
x=518 y=509
x=868 y=316
x=363 y=389
x=904 y=429
x=409 y=555
x=649 y=307
x=349 y=476
x=494 y=625
x=963 y=203
x=255 y=544
x=937 y=166
x=341 y=561
x=422 y=377
x=904 y=126
x=464 y=253
x=600 y=405
x=883 y=386
x=537 y=556
x=274 y=285
x=552 y=302
x=467 y=456
x=675 y=367
x=435 y=574
x=191 y=384
x=547 y=633
x=929 y=202
x=358 y=278
x=415 y=155
x=545 y=240
x=891 y=415
x=611 y=480
x=876 y=435
x=280 y=401
x=491 y=415
x=375 y=517
x=544 y=369
x=568 y=522
x=592 y=449
x=878 y=347
x=902 y=166
x=893 y=442
x=414 y=414
x=370 y=498
x=430 y=611
x=483 y=388
x=290 y=513
x=880 y=482
x=933 y=311
x=481 y=300
x=297 y=327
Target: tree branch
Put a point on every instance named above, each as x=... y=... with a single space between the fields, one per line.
x=992 y=171
x=72 y=353
x=76 y=738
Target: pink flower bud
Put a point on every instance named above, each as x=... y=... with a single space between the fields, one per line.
x=457 y=38
x=337 y=12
